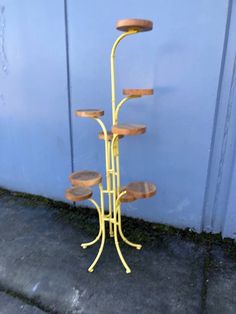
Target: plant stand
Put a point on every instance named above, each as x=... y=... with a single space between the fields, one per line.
x=83 y=181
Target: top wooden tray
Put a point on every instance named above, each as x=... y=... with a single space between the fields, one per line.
x=89 y=113
x=134 y=24
x=137 y=92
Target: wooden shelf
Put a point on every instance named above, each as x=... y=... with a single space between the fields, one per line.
x=109 y=135
x=85 y=178
x=134 y=24
x=89 y=113
x=127 y=197
x=128 y=129
x=78 y=193
x=137 y=92
x=141 y=189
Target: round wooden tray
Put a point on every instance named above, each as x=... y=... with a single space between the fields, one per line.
x=141 y=189
x=109 y=135
x=89 y=113
x=85 y=178
x=137 y=92
x=128 y=129
x=78 y=193
x=134 y=24
x=127 y=197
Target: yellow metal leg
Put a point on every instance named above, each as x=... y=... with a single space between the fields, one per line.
x=91 y=268
x=128 y=270
x=116 y=223
x=137 y=246
x=102 y=228
x=85 y=245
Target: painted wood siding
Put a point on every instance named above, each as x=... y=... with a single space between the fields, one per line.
x=54 y=58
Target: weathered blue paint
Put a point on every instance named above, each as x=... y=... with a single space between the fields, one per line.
x=229 y=211
x=181 y=60
x=222 y=156
x=187 y=59
x=34 y=130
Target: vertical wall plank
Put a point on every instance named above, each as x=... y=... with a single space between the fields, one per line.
x=224 y=140
x=34 y=129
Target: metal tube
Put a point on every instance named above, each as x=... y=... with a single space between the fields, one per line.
x=121 y=104
x=108 y=174
x=103 y=231
x=113 y=50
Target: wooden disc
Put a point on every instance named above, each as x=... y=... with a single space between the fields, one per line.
x=78 y=193
x=141 y=189
x=109 y=135
x=137 y=92
x=89 y=113
x=127 y=197
x=128 y=129
x=85 y=178
x=134 y=24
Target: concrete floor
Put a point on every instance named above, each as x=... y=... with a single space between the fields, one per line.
x=44 y=269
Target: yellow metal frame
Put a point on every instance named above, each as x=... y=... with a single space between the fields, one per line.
x=112 y=177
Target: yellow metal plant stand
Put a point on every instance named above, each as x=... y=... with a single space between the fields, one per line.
x=83 y=181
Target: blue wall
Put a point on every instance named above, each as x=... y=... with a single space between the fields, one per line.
x=188 y=59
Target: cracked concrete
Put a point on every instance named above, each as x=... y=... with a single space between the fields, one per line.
x=11 y=305
x=41 y=262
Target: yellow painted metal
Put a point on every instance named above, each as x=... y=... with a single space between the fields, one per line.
x=113 y=50
x=137 y=246
x=110 y=192
x=85 y=245
x=121 y=103
x=102 y=227
x=108 y=172
x=112 y=178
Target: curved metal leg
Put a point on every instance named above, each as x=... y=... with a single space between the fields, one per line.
x=85 y=245
x=137 y=246
x=102 y=229
x=128 y=270
x=91 y=268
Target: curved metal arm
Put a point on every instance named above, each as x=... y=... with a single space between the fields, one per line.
x=121 y=103
x=115 y=137
x=119 y=197
x=113 y=50
x=104 y=129
x=107 y=155
x=95 y=204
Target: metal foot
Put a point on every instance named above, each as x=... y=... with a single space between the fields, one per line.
x=135 y=245
x=85 y=245
x=91 y=268
x=128 y=270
